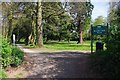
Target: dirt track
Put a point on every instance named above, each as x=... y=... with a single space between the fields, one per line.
x=62 y=64
x=59 y=65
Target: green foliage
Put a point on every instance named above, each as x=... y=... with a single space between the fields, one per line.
x=6 y=53
x=57 y=19
x=108 y=62
x=55 y=22
x=17 y=56
x=81 y=14
x=100 y=20
x=10 y=55
x=113 y=43
x=2 y=74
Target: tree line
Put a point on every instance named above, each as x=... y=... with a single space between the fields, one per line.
x=38 y=22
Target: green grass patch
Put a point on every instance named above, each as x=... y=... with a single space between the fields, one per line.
x=72 y=45
x=65 y=45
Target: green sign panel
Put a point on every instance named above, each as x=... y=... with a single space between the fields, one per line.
x=99 y=30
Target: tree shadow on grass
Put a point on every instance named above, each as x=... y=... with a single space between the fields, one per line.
x=55 y=42
x=73 y=45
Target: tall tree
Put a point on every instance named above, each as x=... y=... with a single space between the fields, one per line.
x=39 y=33
x=80 y=11
x=55 y=20
x=7 y=11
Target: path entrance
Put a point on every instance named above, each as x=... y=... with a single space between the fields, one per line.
x=60 y=64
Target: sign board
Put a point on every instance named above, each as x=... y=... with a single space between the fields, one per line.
x=99 y=30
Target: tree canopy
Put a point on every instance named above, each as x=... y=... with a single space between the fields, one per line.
x=38 y=22
x=100 y=20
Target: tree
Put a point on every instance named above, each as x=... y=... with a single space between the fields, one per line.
x=27 y=18
x=35 y=21
x=8 y=12
x=114 y=29
x=55 y=21
x=100 y=20
x=80 y=11
x=39 y=33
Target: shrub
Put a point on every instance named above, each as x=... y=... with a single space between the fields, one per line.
x=107 y=62
x=17 y=56
x=6 y=53
x=10 y=55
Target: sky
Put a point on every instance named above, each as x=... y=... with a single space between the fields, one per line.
x=100 y=8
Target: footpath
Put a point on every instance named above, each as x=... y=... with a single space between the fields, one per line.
x=44 y=63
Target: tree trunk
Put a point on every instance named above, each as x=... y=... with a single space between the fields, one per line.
x=9 y=30
x=3 y=28
x=33 y=35
x=81 y=39
x=3 y=22
x=39 y=37
x=80 y=32
x=59 y=37
x=47 y=38
x=10 y=17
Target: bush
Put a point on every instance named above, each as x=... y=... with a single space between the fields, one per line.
x=107 y=63
x=10 y=55
x=6 y=53
x=17 y=56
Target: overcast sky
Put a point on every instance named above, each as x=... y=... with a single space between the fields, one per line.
x=100 y=8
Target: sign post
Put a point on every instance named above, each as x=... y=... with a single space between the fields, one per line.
x=98 y=30
x=91 y=39
x=14 y=39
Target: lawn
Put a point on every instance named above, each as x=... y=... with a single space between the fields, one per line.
x=65 y=45
x=72 y=45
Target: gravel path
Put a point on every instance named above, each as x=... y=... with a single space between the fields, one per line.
x=60 y=64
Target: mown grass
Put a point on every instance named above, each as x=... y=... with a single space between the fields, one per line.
x=65 y=45
x=72 y=45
